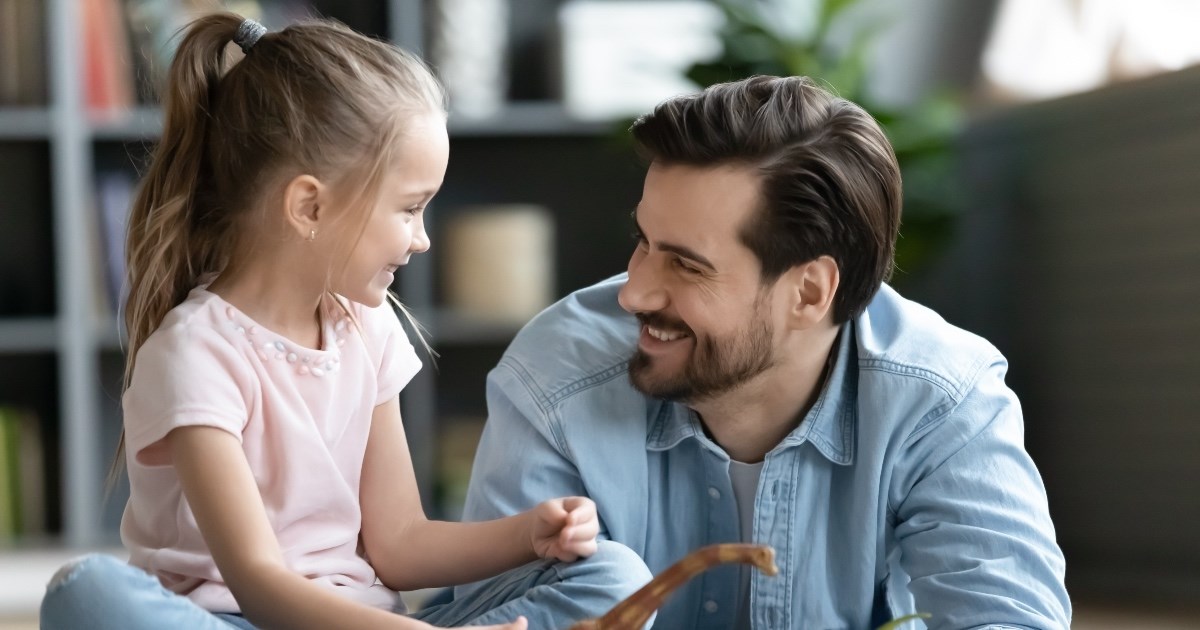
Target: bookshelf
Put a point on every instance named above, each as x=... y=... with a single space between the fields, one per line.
x=69 y=352
x=28 y=334
x=25 y=123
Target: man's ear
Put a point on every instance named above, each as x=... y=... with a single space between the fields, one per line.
x=303 y=197
x=811 y=289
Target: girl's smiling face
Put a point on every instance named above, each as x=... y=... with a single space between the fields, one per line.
x=395 y=229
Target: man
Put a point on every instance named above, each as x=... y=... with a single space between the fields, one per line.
x=752 y=379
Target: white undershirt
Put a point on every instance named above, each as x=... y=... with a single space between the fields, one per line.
x=744 y=478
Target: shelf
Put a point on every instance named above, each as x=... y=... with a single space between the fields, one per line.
x=24 y=123
x=108 y=334
x=448 y=326
x=445 y=326
x=530 y=118
x=143 y=123
x=28 y=334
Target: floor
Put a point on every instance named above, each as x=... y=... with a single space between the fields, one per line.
x=1084 y=620
x=23 y=575
x=1118 y=618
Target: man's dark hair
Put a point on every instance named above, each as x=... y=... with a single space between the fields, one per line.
x=830 y=182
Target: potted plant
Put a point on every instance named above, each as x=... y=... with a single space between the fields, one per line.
x=922 y=135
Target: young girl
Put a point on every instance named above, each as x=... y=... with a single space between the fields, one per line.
x=270 y=481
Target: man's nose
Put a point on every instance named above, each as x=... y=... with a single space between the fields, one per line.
x=643 y=291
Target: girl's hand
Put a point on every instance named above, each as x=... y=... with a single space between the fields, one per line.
x=564 y=529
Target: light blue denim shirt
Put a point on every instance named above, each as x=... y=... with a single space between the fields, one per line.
x=905 y=488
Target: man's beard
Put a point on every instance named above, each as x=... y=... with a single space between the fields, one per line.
x=715 y=366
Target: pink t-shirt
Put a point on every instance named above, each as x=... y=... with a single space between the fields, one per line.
x=302 y=416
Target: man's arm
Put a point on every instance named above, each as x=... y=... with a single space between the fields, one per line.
x=972 y=521
x=519 y=462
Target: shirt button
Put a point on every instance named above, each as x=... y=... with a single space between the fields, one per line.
x=710 y=606
x=715 y=494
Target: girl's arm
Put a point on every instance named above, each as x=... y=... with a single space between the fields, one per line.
x=408 y=551
x=221 y=490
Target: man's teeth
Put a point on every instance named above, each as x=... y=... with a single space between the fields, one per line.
x=663 y=335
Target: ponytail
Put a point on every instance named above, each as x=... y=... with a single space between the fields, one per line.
x=167 y=247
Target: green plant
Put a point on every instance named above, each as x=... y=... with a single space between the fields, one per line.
x=922 y=135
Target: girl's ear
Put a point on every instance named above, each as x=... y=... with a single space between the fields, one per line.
x=812 y=287
x=302 y=205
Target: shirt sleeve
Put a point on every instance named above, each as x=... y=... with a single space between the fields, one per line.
x=518 y=463
x=972 y=520
x=398 y=361
x=185 y=376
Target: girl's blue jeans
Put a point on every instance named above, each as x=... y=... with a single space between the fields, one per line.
x=101 y=593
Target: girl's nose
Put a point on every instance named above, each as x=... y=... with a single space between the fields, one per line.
x=420 y=240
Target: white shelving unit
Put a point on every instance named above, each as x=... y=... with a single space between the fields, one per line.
x=85 y=346
x=78 y=376
x=76 y=335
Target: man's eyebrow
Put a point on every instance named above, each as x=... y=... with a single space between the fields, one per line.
x=679 y=250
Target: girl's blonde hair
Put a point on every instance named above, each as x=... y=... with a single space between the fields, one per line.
x=314 y=98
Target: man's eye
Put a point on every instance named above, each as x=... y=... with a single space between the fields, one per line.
x=685 y=267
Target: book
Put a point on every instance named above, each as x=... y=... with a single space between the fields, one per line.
x=114 y=194
x=107 y=60
x=10 y=502
x=22 y=474
x=458 y=439
x=10 y=79
x=154 y=28
x=22 y=53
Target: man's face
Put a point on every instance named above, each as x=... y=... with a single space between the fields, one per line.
x=707 y=322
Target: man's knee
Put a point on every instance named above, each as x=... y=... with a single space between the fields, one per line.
x=616 y=567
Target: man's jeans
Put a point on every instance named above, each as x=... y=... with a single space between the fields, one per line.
x=101 y=593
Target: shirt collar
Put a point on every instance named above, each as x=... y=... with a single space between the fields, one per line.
x=829 y=426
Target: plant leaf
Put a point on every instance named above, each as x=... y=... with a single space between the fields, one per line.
x=831 y=9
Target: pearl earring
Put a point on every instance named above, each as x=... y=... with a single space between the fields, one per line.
x=312 y=235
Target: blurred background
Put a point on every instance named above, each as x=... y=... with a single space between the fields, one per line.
x=1051 y=205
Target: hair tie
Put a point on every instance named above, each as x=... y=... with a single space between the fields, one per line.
x=248 y=34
